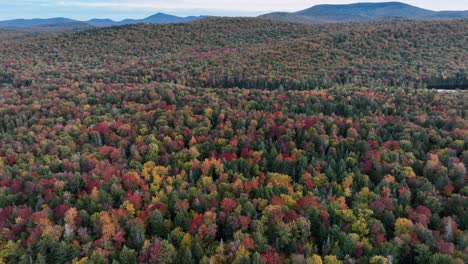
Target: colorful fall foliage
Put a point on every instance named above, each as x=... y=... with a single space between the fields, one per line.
x=104 y=160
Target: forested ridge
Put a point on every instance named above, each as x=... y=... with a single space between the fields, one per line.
x=250 y=53
x=235 y=140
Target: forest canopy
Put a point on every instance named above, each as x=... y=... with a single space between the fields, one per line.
x=249 y=53
x=235 y=141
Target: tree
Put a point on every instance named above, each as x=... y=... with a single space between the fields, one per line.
x=378 y=260
x=315 y=259
x=197 y=250
x=403 y=226
x=8 y=250
x=256 y=258
x=242 y=255
x=167 y=253
x=97 y=258
x=135 y=234
x=156 y=224
x=186 y=258
x=182 y=219
x=332 y=260
x=127 y=255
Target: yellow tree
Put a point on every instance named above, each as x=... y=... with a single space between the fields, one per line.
x=403 y=226
x=154 y=174
x=378 y=260
x=332 y=260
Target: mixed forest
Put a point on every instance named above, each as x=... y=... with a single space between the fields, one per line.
x=235 y=140
x=248 y=53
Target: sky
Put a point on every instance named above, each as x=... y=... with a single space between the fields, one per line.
x=121 y=9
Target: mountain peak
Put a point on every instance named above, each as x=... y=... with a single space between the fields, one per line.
x=368 y=4
x=370 y=10
x=166 y=18
x=361 y=12
x=162 y=15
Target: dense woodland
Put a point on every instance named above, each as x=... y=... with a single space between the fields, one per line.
x=235 y=141
x=249 y=53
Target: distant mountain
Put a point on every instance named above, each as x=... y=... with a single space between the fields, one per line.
x=101 y=22
x=165 y=18
x=37 y=22
x=159 y=18
x=362 y=12
x=66 y=23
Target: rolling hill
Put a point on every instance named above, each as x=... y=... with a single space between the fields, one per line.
x=361 y=12
x=37 y=22
x=66 y=23
x=249 y=53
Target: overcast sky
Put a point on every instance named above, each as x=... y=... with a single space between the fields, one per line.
x=120 y=9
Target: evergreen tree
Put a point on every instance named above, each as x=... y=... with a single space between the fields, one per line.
x=256 y=258
x=136 y=235
x=156 y=224
x=197 y=250
x=186 y=257
x=182 y=219
x=127 y=255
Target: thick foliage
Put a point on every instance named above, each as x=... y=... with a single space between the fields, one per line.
x=249 y=53
x=168 y=174
x=103 y=161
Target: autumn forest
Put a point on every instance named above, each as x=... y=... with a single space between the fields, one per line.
x=235 y=140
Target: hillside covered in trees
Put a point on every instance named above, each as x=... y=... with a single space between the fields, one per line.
x=235 y=140
x=249 y=53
